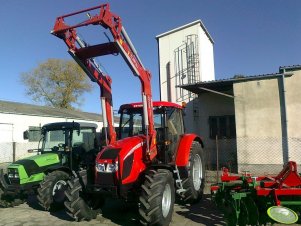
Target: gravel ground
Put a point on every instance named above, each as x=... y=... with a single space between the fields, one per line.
x=115 y=213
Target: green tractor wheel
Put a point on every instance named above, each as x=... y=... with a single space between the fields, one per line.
x=7 y=200
x=51 y=194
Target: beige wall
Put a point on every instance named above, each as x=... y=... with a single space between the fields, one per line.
x=260 y=121
x=293 y=97
x=210 y=104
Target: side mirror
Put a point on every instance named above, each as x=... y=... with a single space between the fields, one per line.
x=26 y=135
x=33 y=150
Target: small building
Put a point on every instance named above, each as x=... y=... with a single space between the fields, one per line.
x=250 y=122
x=15 y=118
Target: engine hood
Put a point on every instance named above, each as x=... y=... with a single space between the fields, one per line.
x=122 y=148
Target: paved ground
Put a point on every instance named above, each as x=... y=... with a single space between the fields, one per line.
x=115 y=213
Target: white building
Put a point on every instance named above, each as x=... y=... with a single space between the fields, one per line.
x=185 y=57
x=15 y=118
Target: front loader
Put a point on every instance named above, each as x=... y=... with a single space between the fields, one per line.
x=64 y=146
x=153 y=159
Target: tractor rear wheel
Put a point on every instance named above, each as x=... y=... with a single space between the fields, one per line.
x=157 y=198
x=194 y=174
x=51 y=191
x=81 y=206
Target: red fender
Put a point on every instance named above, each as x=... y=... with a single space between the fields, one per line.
x=182 y=155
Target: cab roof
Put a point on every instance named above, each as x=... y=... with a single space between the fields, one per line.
x=68 y=125
x=155 y=104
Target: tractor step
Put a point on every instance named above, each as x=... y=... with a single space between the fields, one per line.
x=180 y=190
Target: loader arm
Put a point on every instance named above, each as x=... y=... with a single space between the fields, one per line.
x=122 y=44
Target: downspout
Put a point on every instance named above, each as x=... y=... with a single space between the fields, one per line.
x=285 y=127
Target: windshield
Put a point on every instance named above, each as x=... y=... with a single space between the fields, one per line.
x=55 y=140
x=131 y=121
x=85 y=139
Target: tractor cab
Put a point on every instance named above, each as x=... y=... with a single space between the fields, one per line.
x=64 y=138
x=168 y=123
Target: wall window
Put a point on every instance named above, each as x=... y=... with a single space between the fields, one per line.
x=34 y=133
x=222 y=126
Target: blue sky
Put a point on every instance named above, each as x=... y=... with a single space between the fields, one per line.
x=251 y=37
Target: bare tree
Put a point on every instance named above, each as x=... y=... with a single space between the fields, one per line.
x=56 y=82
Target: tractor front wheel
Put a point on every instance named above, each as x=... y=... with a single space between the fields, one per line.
x=10 y=200
x=79 y=205
x=51 y=191
x=157 y=198
x=193 y=175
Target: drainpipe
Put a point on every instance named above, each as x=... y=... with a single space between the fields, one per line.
x=285 y=127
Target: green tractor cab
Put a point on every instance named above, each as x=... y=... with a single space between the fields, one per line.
x=64 y=147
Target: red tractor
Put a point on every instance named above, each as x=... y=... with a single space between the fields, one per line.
x=153 y=159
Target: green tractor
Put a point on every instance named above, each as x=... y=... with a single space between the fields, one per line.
x=64 y=147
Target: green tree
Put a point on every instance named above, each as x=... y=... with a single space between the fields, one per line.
x=56 y=82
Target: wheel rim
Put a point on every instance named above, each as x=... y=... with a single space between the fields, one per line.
x=197 y=172
x=58 y=191
x=166 y=200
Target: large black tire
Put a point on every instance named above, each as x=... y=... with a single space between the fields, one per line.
x=7 y=200
x=51 y=194
x=79 y=205
x=193 y=175
x=157 y=198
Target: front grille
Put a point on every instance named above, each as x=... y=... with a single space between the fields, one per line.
x=14 y=181
x=108 y=179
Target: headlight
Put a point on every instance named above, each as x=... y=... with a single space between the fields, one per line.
x=112 y=167
x=13 y=173
x=100 y=167
x=107 y=167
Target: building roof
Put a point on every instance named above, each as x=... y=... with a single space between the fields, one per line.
x=8 y=107
x=289 y=68
x=226 y=85
x=186 y=26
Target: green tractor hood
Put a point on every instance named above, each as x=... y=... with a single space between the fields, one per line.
x=32 y=168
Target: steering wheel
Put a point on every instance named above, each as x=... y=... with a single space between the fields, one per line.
x=61 y=145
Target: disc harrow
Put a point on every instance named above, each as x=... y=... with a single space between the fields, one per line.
x=250 y=200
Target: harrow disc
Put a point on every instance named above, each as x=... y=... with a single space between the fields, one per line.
x=230 y=213
x=282 y=215
x=217 y=198
x=249 y=214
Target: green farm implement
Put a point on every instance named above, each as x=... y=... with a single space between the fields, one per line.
x=249 y=200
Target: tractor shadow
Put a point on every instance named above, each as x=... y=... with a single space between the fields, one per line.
x=32 y=202
x=204 y=212
x=120 y=212
x=116 y=211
